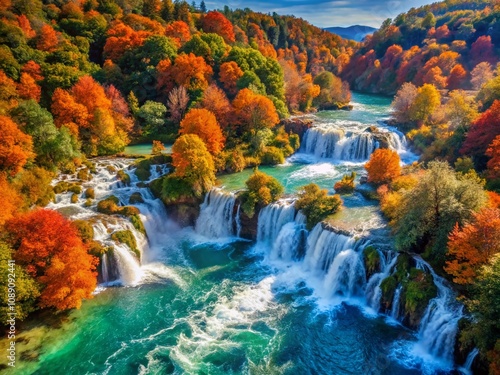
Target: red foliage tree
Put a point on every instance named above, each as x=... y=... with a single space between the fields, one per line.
x=216 y=101
x=47 y=39
x=203 y=123
x=191 y=71
x=215 y=22
x=179 y=32
x=494 y=163
x=473 y=245
x=483 y=131
x=483 y=50
x=50 y=249
x=456 y=79
x=33 y=69
x=16 y=148
x=122 y=38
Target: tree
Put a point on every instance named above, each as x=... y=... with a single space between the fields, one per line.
x=460 y=110
x=403 y=102
x=254 y=111
x=152 y=117
x=48 y=246
x=483 y=131
x=10 y=201
x=47 y=39
x=203 y=7
x=158 y=148
x=262 y=190
x=28 y=88
x=384 y=166
x=215 y=22
x=216 y=101
x=429 y=212
x=483 y=50
x=316 y=204
x=457 y=77
x=177 y=103
x=16 y=148
x=68 y=112
x=229 y=75
x=482 y=73
x=473 y=245
x=203 y=123
x=426 y=102
x=191 y=71
x=193 y=163
x=179 y=32
x=494 y=163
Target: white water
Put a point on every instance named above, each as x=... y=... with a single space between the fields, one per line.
x=217 y=216
x=395 y=303
x=439 y=325
x=347 y=141
x=466 y=369
x=373 y=289
x=121 y=265
x=272 y=218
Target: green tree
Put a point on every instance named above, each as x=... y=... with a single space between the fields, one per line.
x=428 y=99
x=429 y=211
x=316 y=204
x=152 y=117
x=262 y=190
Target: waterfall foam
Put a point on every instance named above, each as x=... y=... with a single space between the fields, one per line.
x=217 y=216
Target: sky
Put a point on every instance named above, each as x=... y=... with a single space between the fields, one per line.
x=325 y=13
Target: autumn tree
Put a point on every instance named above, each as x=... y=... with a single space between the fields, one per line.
x=482 y=73
x=47 y=39
x=460 y=110
x=16 y=147
x=254 y=111
x=482 y=132
x=457 y=77
x=193 y=163
x=229 y=75
x=215 y=22
x=10 y=201
x=28 y=88
x=426 y=102
x=179 y=32
x=68 y=112
x=262 y=190
x=191 y=71
x=177 y=102
x=473 y=245
x=203 y=123
x=429 y=211
x=493 y=152
x=216 y=101
x=316 y=204
x=384 y=166
x=403 y=102
x=158 y=148
x=483 y=50
x=50 y=249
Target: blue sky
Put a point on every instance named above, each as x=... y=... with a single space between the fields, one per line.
x=325 y=13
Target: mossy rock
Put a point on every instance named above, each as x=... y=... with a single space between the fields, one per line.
x=90 y=165
x=128 y=211
x=156 y=187
x=136 y=198
x=127 y=237
x=90 y=193
x=65 y=186
x=74 y=198
x=137 y=223
x=97 y=249
x=141 y=185
x=111 y=169
x=388 y=287
x=75 y=189
x=272 y=156
x=418 y=291
x=88 y=202
x=85 y=229
x=84 y=175
x=372 y=261
x=143 y=174
x=123 y=177
x=108 y=205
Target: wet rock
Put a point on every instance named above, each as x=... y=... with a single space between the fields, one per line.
x=297 y=125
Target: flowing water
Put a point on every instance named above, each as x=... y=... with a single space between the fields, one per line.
x=203 y=301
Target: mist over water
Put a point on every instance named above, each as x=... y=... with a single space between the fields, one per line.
x=203 y=301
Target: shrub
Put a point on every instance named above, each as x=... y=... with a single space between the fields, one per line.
x=272 y=156
x=346 y=185
x=262 y=190
x=316 y=204
x=127 y=237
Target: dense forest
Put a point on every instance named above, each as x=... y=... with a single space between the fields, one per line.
x=83 y=79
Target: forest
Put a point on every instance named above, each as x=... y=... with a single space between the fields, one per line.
x=81 y=80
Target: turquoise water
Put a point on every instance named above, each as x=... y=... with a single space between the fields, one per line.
x=221 y=307
x=143 y=149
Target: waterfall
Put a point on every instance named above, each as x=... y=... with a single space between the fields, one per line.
x=467 y=367
x=395 y=303
x=272 y=218
x=217 y=219
x=290 y=242
x=104 y=268
x=346 y=275
x=373 y=289
x=129 y=267
x=349 y=143
x=439 y=325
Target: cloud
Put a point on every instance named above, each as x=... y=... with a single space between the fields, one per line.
x=325 y=13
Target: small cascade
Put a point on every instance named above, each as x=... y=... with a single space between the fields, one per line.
x=129 y=267
x=373 y=289
x=104 y=268
x=272 y=218
x=351 y=143
x=439 y=326
x=467 y=367
x=395 y=303
x=217 y=218
x=290 y=242
x=346 y=275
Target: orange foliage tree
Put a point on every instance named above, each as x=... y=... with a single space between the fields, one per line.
x=179 y=32
x=28 y=88
x=68 y=112
x=229 y=75
x=215 y=22
x=483 y=131
x=494 y=153
x=16 y=147
x=473 y=245
x=254 y=111
x=47 y=39
x=191 y=71
x=204 y=124
x=122 y=38
x=50 y=249
x=456 y=79
x=10 y=201
x=383 y=166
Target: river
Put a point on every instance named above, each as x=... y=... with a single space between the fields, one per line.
x=204 y=301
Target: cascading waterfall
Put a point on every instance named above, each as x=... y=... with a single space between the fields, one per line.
x=439 y=325
x=332 y=142
x=467 y=367
x=395 y=303
x=272 y=218
x=373 y=289
x=217 y=218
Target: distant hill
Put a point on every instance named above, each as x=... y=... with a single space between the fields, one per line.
x=356 y=32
